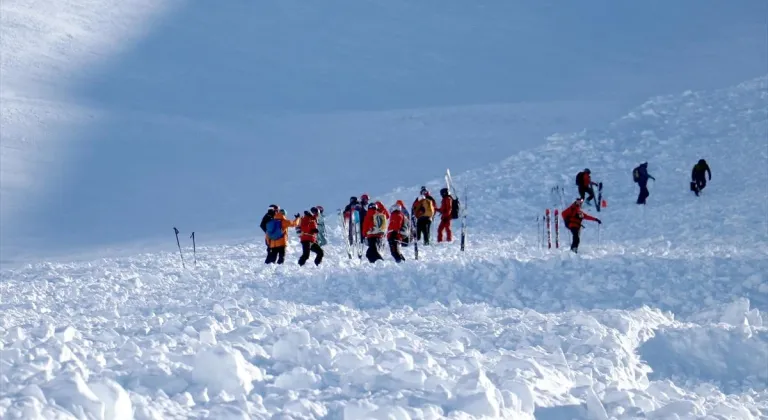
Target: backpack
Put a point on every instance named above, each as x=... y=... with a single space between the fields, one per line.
x=275 y=229
x=455 y=208
x=580 y=179
x=636 y=174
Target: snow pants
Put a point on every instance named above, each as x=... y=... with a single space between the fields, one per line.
x=373 y=250
x=576 y=240
x=276 y=254
x=394 y=249
x=423 y=226
x=445 y=225
x=583 y=191
x=306 y=247
x=644 y=193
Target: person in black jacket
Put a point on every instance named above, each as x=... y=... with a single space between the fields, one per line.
x=699 y=176
x=271 y=210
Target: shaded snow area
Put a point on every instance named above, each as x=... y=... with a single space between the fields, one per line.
x=665 y=319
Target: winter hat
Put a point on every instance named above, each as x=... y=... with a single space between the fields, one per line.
x=353 y=199
x=586 y=170
x=273 y=207
x=424 y=191
x=313 y=210
x=400 y=203
x=371 y=206
x=364 y=197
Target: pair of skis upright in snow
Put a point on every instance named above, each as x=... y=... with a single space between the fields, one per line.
x=352 y=227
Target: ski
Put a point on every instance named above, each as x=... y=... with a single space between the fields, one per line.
x=464 y=222
x=547 y=222
x=599 y=202
x=345 y=229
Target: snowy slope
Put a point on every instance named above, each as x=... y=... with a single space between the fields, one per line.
x=123 y=118
x=663 y=320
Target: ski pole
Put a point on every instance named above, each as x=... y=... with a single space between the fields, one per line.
x=194 y=251
x=598 y=236
x=176 y=231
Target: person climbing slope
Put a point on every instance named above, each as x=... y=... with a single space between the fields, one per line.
x=308 y=237
x=276 y=236
x=585 y=184
x=573 y=217
x=641 y=176
x=375 y=227
x=446 y=205
x=699 y=176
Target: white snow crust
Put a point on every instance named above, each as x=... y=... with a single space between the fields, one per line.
x=665 y=319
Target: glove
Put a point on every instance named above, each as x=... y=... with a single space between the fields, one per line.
x=297 y=215
x=599 y=222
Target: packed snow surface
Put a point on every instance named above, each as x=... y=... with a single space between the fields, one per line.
x=664 y=318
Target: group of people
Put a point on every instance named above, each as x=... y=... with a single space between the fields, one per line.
x=376 y=224
x=396 y=223
x=574 y=214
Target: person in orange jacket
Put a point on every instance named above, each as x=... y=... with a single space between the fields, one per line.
x=445 y=216
x=374 y=226
x=276 y=237
x=573 y=217
x=308 y=237
x=398 y=231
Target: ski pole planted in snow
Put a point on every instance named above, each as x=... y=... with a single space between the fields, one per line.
x=176 y=231
x=194 y=251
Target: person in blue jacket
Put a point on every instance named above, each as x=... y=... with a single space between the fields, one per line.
x=641 y=177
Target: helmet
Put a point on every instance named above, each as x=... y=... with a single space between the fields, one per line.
x=702 y=162
x=444 y=191
x=320 y=209
x=579 y=200
x=400 y=203
x=313 y=210
x=371 y=206
x=586 y=170
x=353 y=199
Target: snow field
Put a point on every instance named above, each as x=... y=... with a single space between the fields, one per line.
x=664 y=320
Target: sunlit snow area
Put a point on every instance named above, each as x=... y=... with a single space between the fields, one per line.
x=121 y=120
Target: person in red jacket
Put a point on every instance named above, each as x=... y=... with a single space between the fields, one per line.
x=374 y=227
x=397 y=232
x=308 y=237
x=573 y=217
x=445 y=216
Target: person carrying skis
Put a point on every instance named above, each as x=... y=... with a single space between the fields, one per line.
x=308 y=237
x=398 y=230
x=640 y=175
x=375 y=227
x=276 y=235
x=446 y=205
x=423 y=210
x=698 y=176
x=573 y=217
x=585 y=184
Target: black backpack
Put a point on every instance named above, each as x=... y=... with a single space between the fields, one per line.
x=455 y=208
x=579 y=178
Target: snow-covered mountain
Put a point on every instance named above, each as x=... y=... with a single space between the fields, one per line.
x=662 y=319
x=123 y=118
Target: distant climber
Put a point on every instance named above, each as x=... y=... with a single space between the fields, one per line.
x=699 y=176
x=641 y=176
x=308 y=237
x=423 y=210
x=446 y=205
x=573 y=217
